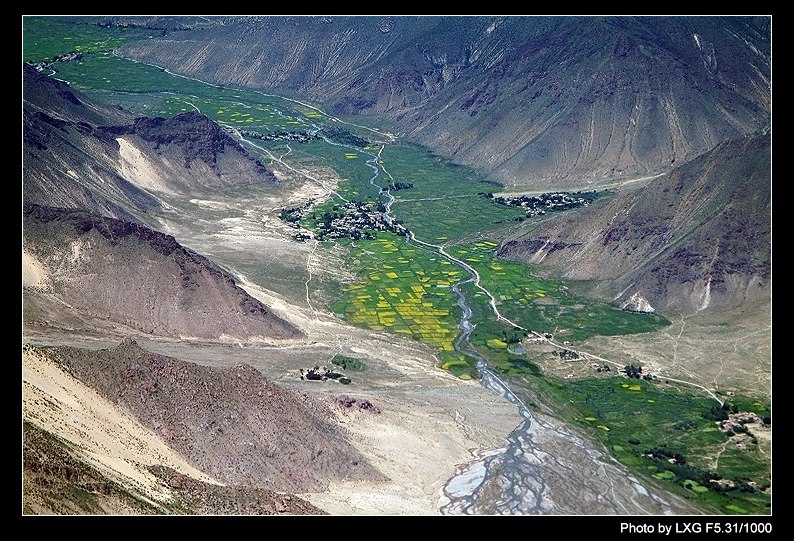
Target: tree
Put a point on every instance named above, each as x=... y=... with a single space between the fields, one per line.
x=633 y=371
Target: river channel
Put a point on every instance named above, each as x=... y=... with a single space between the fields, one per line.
x=543 y=468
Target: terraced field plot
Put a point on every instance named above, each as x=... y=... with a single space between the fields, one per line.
x=443 y=203
x=45 y=37
x=102 y=71
x=545 y=305
x=404 y=290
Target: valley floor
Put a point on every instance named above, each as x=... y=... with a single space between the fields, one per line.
x=431 y=423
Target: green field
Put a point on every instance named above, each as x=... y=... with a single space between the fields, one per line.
x=443 y=204
x=633 y=416
x=494 y=340
x=544 y=305
x=150 y=90
x=46 y=37
x=353 y=172
x=458 y=364
x=403 y=289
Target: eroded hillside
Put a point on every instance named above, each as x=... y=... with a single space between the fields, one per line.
x=540 y=101
x=88 y=449
x=76 y=154
x=696 y=238
x=83 y=266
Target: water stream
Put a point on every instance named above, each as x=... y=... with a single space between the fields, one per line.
x=543 y=468
x=520 y=482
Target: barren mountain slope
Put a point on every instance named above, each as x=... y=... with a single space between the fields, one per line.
x=76 y=154
x=696 y=238
x=230 y=422
x=541 y=101
x=122 y=272
x=85 y=454
x=188 y=151
x=66 y=162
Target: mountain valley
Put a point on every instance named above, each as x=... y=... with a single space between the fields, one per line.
x=215 y=210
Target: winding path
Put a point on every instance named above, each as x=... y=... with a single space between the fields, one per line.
x=309 y=279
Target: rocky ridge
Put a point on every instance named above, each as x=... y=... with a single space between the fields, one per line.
x=547 y=102
x=127 y=273
x=696 y=238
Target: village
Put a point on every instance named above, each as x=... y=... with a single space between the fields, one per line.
x=536 y=205
x=295 y=136
x=355 y=220
x=66 y=57
x=324 y=374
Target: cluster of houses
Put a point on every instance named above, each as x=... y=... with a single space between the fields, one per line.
x=297 y=136
x=355 y=220
x=66 y=57
x=567 y=355
x=635 y=371
x=293 y=215
x=397 y=186
x=535 y=205
x=324 y=374
x=601 y=367
x=735 y=423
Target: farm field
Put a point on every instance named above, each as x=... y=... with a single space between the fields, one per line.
x=546 y=306
x=444 y=202
x=123 y=82
x=404 y=290
x=46 y=38
x=664 y=431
